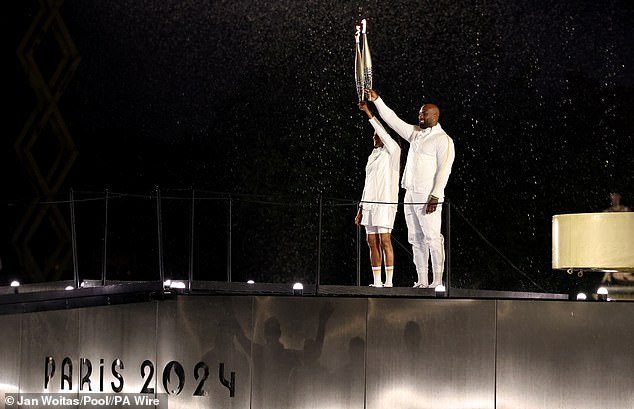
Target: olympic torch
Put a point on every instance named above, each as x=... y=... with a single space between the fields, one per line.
x=358 y=65
x=367 y=59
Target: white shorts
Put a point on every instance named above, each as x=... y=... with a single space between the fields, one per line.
x=377 y=230
x=379 y=215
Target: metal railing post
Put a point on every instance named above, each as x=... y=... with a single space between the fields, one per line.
x=73 y=240
x=318 y=272
x=159 y=225
x=229 y=238
x=358 y=256
x=190 y=275
x=448 y=246
x=105 y=241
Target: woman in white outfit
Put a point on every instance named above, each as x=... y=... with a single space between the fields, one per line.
x=377 y=209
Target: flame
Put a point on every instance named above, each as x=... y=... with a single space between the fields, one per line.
x=363 y=23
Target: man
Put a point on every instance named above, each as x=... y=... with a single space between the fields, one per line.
x=429 y=160
x=615 y=204
x=377 y=209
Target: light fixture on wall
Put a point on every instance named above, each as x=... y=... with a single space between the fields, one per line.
x=581 y=297
x=439 y=291
x=173 y=285
x=15 y=284
x=602 y=294
x=298 y=289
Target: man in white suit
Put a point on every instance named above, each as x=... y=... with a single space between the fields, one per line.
x=429 y=160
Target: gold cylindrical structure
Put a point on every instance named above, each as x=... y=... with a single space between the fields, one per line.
x=358 y=66
x=367 y=60
x=593 y=241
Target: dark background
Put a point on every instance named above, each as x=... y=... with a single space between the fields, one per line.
x=255 y=102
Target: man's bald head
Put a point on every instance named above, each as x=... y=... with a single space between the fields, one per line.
x=428 y=116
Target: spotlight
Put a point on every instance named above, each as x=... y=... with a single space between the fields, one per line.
x=439 y=290
x=178 y=285
x=602 y=294
x=581 y=297
x=15 y=284
x=69 y=287
x=169 y=285
x=250 y=282
x=298 y=289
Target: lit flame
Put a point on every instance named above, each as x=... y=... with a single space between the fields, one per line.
x=357 y=33
x=363 y=22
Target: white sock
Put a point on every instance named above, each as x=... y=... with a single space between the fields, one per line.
x=376 y=272
x=389 y=273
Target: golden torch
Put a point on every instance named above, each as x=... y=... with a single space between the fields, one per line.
x=367 y=59
x=358 y=65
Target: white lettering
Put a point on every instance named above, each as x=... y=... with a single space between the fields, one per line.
x=27 y=401
x=146 y=400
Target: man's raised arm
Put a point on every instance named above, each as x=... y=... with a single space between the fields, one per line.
x=401 y=127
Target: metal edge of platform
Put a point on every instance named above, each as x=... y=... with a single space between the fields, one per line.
x=223 y=287
x=365 y=291
x=50 y=295
x=430 y=292
x=497 y=294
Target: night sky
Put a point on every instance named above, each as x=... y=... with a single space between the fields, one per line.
x=257 y=99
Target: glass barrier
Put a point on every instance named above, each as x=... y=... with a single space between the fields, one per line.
x=209 y=236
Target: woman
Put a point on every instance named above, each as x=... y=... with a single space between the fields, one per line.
x=377 y=209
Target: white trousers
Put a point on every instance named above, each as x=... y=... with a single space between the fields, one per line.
x=423 y=233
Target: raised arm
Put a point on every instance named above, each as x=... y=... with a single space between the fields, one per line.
x=401 y=127
x=324 y=315
x=389 y=143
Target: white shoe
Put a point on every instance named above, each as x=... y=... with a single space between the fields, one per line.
x=379 y=285
x=386 y=285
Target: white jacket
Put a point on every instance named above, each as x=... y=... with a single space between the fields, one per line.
x=430 y=157
x=382 y=171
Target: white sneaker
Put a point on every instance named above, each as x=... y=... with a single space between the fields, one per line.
x=379 y=285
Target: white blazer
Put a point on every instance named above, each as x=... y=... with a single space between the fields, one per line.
x=430 y=157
